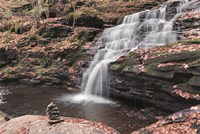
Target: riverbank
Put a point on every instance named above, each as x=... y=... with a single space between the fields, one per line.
x=186 y=121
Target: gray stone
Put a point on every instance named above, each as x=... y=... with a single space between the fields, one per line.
x=53 y=114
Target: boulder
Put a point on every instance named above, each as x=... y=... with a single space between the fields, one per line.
x=30 y=124
x=54 y=31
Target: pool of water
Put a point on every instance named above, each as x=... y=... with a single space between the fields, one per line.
x=121 y=115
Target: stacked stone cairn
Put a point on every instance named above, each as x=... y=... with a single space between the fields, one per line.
x=53 y=114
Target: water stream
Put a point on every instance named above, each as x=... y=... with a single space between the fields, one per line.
x=140 y=30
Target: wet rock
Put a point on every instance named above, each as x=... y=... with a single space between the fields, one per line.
x=185 y=121
x=163 y=76
x=188 y=23
x=171 y=9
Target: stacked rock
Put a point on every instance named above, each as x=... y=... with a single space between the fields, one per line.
x=53 y=114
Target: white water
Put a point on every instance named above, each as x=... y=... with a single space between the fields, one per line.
x=153 y=30
x=3 y=92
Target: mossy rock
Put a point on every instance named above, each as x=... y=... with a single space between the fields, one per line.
x=115 y=67
x=125 y=65
x=8 y=71
x=151 y=70
x=194 y=81
x=187 y=88
x=188 y=42
x=127 y=69
x=185 y=56
x=77 y=55
x=87 y=17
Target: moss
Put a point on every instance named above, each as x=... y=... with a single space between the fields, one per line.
x=35 y=38
x=164 y=50
x=188 y=42
x=187 y=88
x=127 y=69
x=8 y=71
x=183 y=57
x=75 y=15
x=74 y=57
x=40 y=71
x=151 y=70
x=85 y=11
x=115 y=67
x=38 y=67
x=123 y=65
x=89 y=12
x=18 y=25
x=7 y=14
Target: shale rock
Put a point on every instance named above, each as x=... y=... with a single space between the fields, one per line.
x=40 y=47
x=53 y=114
x=165 y=76
x=183 y=122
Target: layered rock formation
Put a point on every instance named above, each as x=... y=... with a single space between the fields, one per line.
x=183 y=122
x=166 y=76
x=40 y=46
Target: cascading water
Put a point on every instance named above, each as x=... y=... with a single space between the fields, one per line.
x=139 y=30
x=3 y=92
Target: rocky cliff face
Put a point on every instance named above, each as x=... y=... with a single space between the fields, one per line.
x=49 y=43
x=166 y=76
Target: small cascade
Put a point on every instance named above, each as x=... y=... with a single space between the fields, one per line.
x=3 y=92
x=140 y=30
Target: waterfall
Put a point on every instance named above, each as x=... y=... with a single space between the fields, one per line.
x=140 y=30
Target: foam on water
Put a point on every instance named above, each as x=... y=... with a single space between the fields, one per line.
x=3 y=92
x=82 y=98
